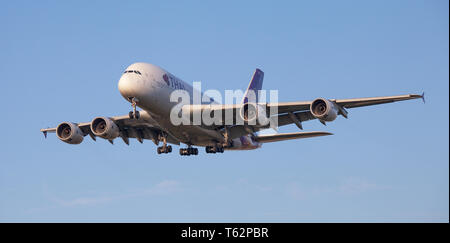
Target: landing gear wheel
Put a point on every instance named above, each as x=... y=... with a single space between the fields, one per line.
x=214 y=149
x=134 y=115
x=210 y=150
x=188 y=151
x=184 y=151
x=164 y=149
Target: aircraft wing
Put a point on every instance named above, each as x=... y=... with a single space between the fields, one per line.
x=289 y=136
x=286 y=107
x=143 y=128
x=295 y=112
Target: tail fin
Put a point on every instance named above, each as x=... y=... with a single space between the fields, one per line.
x=255 y=85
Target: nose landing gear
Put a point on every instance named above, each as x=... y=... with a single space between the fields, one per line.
x=134 y=114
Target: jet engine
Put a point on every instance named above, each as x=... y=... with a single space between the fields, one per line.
x=324 y=110
x=104 y=128
x=254 y=114
x=70 y=133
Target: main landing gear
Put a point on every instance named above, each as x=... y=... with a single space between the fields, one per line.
x=214 y=149
x=134 y=114
x=165 y=148
x=188 y=151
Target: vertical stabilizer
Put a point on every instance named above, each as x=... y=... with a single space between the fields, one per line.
x=251 y=94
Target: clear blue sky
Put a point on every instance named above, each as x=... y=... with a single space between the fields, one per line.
x=61 y=62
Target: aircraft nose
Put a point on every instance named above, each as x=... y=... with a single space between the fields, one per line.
x=128 y=87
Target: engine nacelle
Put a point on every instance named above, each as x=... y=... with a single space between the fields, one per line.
x=70 y=133
x=104 y=128
x=254 y=114
x=324 y=109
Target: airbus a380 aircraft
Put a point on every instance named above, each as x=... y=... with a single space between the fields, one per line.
x=149 y=87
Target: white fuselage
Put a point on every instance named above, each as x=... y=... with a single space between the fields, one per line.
x=152 y=86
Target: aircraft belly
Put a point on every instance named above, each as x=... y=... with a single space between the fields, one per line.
x=189 y=134
x=196 y=135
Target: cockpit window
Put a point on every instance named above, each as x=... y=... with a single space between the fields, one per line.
x=133 y=71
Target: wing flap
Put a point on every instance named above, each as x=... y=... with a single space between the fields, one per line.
x=285 y=107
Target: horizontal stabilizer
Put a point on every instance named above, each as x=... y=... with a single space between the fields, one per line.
x=288 y=136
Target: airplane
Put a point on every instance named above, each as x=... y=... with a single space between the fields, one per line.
x=149 y=87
